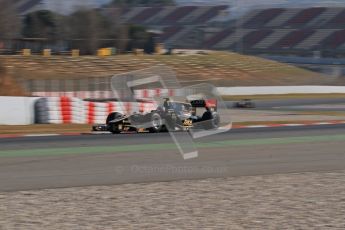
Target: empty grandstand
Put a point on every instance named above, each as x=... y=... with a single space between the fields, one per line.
x=280 y=30
x=300 y=31
x=182 y=26
x=172 y=15
x=275 y=30
x=61 y=6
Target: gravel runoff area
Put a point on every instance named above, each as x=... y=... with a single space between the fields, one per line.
x=287 y=201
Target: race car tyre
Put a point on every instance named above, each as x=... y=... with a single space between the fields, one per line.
x=156 y=122
x=112 y=116
x=212 y=123
x=215 y=122
x=113 y=129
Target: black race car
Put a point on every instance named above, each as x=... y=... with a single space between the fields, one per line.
x=172 y=116
x=245 y=103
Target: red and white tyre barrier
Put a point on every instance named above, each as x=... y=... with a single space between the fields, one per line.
x=59 y=110
x=67 y=110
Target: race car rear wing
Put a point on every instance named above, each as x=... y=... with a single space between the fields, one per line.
x=210 y=103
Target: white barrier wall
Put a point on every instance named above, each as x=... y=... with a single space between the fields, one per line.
x=17 y=110
x=262 y=90
x=21 y=111
x=255 y=90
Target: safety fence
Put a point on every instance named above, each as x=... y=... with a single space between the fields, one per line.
x=234 y=91
x=139 y=94
x=92 y=87
x=78 y=94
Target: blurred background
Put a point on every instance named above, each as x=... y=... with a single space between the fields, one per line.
x=49 y=46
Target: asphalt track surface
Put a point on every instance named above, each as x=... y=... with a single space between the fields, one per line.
x=70 y=161
x=297 y=104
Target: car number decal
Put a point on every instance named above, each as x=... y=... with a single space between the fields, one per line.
x=187 y=122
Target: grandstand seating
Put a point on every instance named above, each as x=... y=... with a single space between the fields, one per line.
x=210 y=14
x=185 y=38
x=234 y=40
x=169 y=32
x=253 y=37
x=315 y=39
x=294 y=18
x=323 y=18
x=128 y=13
x=193 y=15
x=263 y=17
x=177 y=14
x=338 y=19
x=292 y=39
x=218 y=37
x=282 y=18
x=305 y=16
x=285 y=29
x=156 y=18
x=335 y=40
x=145 y=14
x=273 y=38
x=259 y=30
